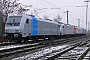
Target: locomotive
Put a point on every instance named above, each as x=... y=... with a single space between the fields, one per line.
x=23 y=27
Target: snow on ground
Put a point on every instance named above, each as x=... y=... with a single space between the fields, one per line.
x=39 y=53
x=15 y=46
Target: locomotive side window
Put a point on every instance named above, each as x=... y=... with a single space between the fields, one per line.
x=27 y=21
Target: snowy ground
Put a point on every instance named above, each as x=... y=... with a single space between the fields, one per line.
x=40 y=53
x=14 y=46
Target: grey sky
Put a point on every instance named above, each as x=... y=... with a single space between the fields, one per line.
x=64 y=5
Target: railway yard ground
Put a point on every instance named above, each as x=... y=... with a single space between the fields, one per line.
x=74 y=48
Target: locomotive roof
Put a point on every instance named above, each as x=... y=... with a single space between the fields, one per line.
x=47 y=20
x=40 y=19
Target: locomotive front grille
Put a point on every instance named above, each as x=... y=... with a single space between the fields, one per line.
x=11 y=35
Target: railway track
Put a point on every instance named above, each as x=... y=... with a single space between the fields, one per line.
x=76 y=52
x=87 y=57
x=13 y=51
x=6 y=43
x=52 y=52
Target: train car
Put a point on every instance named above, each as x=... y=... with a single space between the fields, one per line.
x=22 y=28
x=67 y=30
x=78 y=30
x=83 y=31
x=74 y=29
x=25 y=27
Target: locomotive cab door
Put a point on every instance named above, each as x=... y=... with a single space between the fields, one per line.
x=26 y=28
x=62 y=30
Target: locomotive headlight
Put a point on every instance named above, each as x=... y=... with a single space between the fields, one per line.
x=4 y=35
x=16 y=35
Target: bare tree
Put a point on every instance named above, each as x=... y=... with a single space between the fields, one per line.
x=8 y=7
x=11 y=7
x=34 y=12
x=58 y=18
x=46 y=17
x=21 y=10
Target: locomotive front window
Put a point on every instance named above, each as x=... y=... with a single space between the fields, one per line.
x=13 y=21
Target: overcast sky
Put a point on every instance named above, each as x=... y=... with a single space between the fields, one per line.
x=64 y=5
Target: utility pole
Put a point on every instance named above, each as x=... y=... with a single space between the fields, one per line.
x=86 y=14
x=88 y=26
x=67 y=16
x=78 y=22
